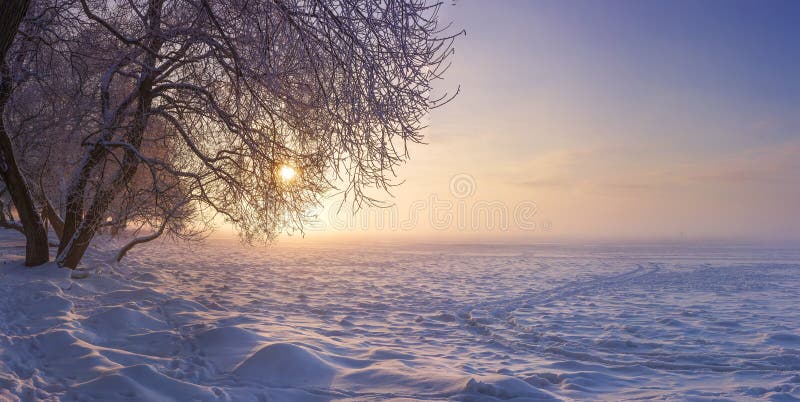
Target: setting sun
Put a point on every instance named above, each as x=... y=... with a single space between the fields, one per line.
x=287 y=173
x=355 y=200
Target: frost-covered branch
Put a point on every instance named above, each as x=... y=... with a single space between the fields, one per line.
x=205 y=100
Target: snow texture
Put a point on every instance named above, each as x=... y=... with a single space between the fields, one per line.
x=405 y=322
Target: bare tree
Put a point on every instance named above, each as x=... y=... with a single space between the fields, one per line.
x=37 y=251
x=187 y=110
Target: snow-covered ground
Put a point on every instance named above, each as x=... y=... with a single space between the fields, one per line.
x=314 y=322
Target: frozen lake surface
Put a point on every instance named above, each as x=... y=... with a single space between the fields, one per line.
x=417 y=322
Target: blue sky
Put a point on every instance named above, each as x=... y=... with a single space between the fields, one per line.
x=622 y=119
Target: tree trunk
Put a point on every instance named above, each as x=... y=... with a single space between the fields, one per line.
x=37 y=251
x=77 y=236
x=78 y=242
x=52 y=216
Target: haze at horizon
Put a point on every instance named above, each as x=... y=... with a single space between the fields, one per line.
x=647 y=120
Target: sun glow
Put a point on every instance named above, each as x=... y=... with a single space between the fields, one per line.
x=287 y=173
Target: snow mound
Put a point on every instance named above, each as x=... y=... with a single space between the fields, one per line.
x=41 y=299
x=160 y=343
x=505 y=387
x=393 y=376
x=286 y=365
x=116 y=320
x=67 y=357
x=225 y=337
x=140 y=383
x=181 y=324
x=783 y=339
x=141 y=296
x=225 y=347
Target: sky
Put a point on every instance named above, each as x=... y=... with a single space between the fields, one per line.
x=606 y=120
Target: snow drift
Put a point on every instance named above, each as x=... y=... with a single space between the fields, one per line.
x=320 y=324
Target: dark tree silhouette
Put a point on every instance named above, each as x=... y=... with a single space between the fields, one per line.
x=37 y=251
x=182 y=111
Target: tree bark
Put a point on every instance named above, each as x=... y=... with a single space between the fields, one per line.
x=37 y=251
x=79 y=241
x=52 y=216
